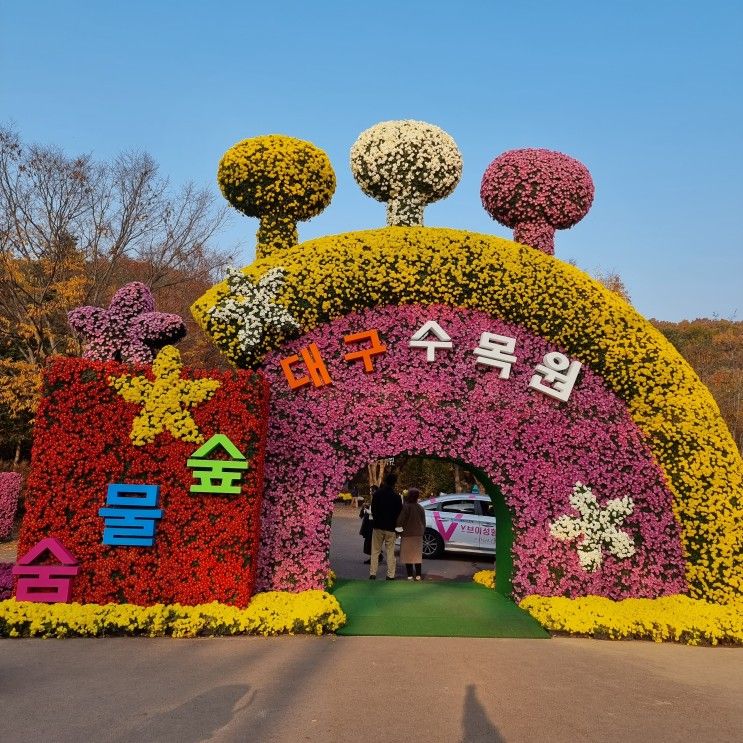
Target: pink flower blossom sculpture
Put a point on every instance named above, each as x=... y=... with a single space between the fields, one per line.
x=536 y=192
x=130 y=330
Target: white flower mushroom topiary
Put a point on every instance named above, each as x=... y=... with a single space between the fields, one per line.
x=407 y=164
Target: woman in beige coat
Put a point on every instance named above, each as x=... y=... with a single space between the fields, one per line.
x=412 y=519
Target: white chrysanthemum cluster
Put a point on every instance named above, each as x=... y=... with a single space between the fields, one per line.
x=252 y=309
x=597 y=526
x=407 y=164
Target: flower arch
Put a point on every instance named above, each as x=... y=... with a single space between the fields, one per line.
x=533 y=447
x=330 y=277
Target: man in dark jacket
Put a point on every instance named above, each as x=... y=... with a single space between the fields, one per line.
x=386 y=506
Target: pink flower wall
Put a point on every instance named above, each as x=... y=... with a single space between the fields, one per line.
x=533 y=447
x=10 y=491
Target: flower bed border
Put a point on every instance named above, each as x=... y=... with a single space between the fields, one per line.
x=667 y=619
x=268 y=614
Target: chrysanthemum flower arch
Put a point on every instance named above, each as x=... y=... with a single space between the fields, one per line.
x=676 y=418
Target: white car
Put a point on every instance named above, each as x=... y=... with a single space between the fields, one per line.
x=461 y=522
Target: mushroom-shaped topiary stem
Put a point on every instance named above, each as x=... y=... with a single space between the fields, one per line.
x=405 y=210
x=538 y=235
x=536 y=192
x=407 y=164
x=275 y=233
x=280 y=180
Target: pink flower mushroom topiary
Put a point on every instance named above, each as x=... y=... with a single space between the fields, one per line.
x=536 y=192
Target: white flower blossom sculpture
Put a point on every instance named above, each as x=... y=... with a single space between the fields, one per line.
x=252 y=308
x=407 y=164
x=597 y=525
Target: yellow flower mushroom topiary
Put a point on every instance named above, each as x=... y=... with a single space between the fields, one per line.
x=280 y=180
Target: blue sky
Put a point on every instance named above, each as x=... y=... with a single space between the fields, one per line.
x=646 y=94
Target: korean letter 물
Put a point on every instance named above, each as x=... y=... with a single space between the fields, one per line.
x=131 y=516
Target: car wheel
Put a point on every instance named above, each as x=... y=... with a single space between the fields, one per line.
x=433 y=544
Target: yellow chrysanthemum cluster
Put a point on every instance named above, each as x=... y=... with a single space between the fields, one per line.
x=671 y=618
x=280 y=180
x=332 y=276
x=485 y=578
x=165 y=401
x=271 y=613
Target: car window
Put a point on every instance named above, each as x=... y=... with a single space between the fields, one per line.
x=487 y=508
x=460 y=506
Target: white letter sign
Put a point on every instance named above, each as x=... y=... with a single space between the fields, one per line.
x=497 y=350
x=419 y=339
x=554 y=372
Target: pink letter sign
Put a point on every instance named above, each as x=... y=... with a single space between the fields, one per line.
x=49 y=584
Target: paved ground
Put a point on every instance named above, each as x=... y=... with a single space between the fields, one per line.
x=339 y=689
x=347 y=556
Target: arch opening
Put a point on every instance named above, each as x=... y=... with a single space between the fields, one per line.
x=460 y=527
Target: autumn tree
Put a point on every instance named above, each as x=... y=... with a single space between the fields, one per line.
x=714 y=349
x=71 y=231
x=613 y=282
x=19 y=384
x=431 y=476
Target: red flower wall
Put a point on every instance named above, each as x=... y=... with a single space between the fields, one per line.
x=205 y=545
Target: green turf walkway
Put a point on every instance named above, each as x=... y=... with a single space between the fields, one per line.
x=430 y=609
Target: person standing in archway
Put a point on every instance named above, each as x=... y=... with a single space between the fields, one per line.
x=412 y=520
x=367 y=528
x=386 y=506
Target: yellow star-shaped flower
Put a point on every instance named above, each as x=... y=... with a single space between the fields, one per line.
x=165 y=401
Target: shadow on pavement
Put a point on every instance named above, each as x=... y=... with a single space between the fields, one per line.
x=476 y=725
x=196 y=720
